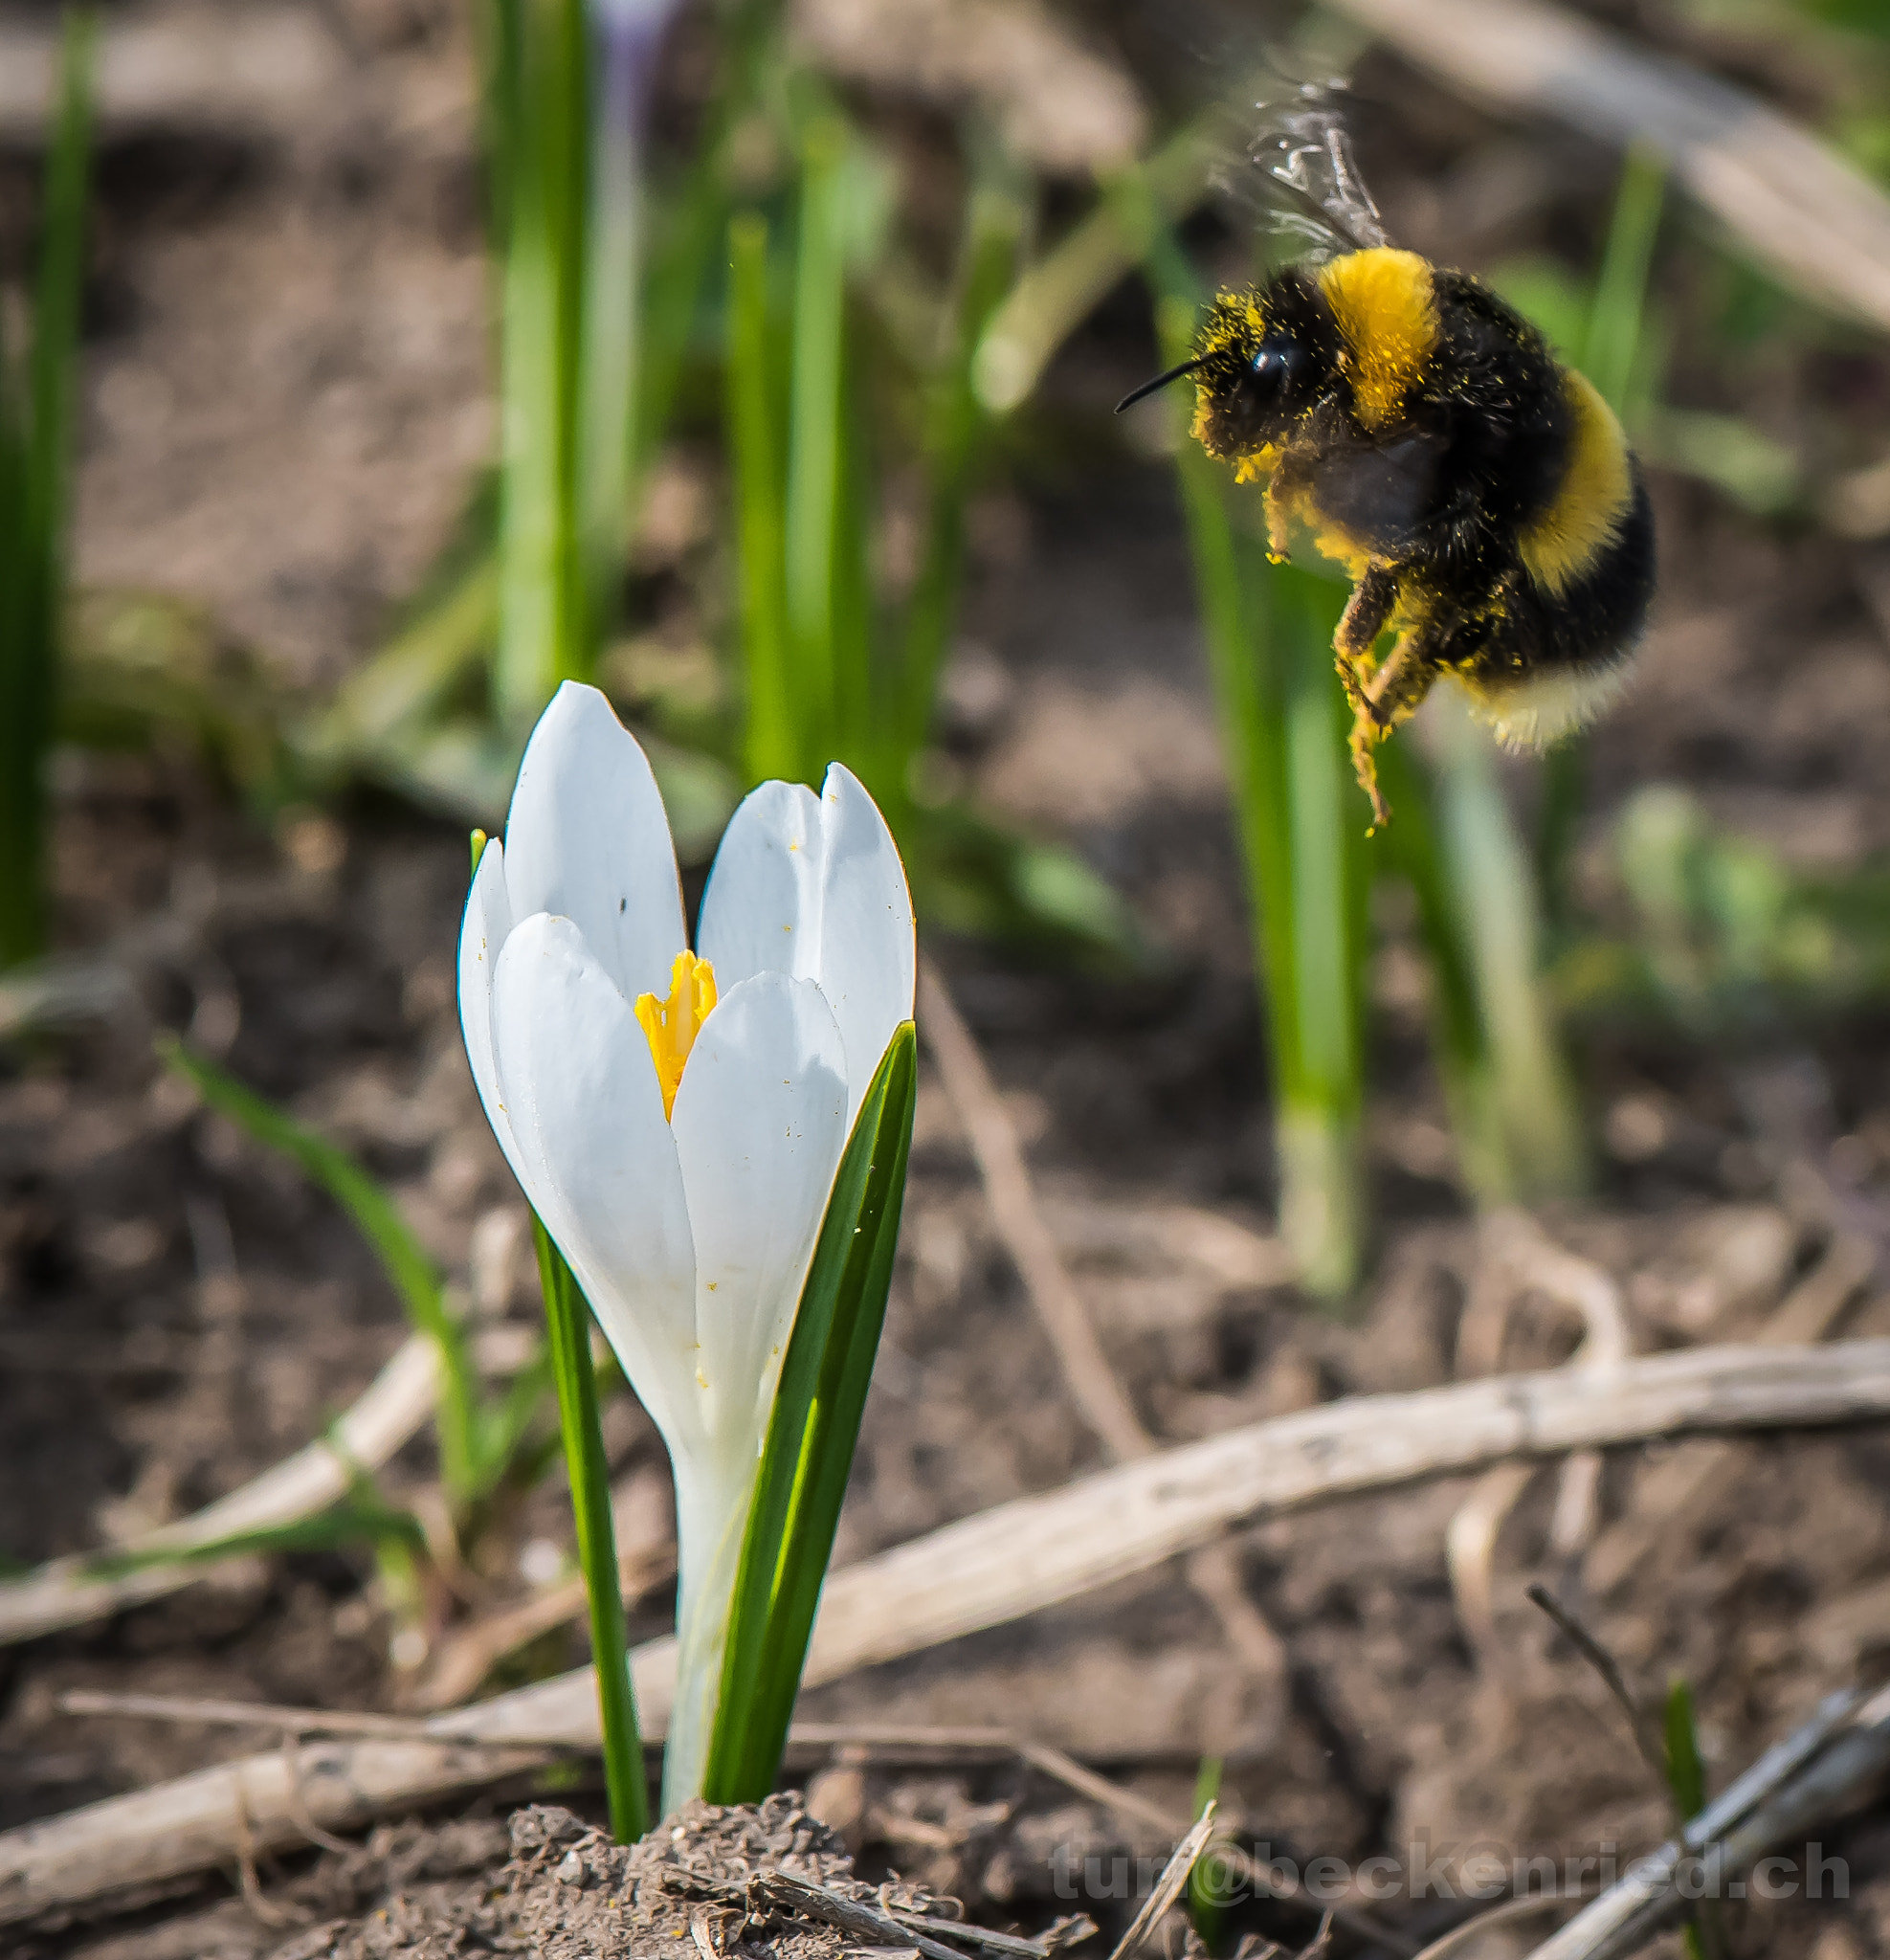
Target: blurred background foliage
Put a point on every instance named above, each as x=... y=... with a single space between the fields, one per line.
x=747 y=324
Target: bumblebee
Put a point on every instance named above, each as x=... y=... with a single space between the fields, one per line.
x=1416 y=429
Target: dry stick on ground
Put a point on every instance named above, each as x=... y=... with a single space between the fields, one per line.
x=1168 y=1887
x=467 y=1657
x=1213 y=1571
x=1805 y=213
x=852 y=1915
x=899 y=1741
x=982 y=1572
x=69 y=1592
x=1830 y=1765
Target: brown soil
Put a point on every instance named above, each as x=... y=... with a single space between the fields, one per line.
x=284 y=407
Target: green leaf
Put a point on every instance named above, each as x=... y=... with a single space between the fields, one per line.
x=755 y=420
x=568 y=1322
x=1686 y=1780
x=415 y=1279
x=1207 y=1881
x=35 y=467
x=357 y=1522
x=812 y=1435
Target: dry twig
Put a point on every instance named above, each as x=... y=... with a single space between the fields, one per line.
x=1821 y=1771
x=1521 y=1257
x=980 y=1571
x=1168 y=1887
x=69 y=1592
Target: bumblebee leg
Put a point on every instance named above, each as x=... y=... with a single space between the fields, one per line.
x=1390 y=696
x=1369 y=607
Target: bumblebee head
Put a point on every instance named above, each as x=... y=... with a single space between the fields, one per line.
x=1261 y=366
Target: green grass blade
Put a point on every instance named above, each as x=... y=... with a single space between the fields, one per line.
x=35 y=466
x=1611 y=357
x=812 y=1435
x=1057 y=292
x=773 y=742
x=1412 y=846
x=1268 y=631
x=568 y=1322
x=609 y=350
x=1207 y=1905
x=816 y=396
x=957 y=432
x=544 y=631
x=1490 y=874
x=359 y=1521
x=1322 y=1200
x=415 y=1279
x=1686 y=1781
x=1236 y=619
x=1612 y=350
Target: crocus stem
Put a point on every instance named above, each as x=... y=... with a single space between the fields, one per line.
x=568 y=1322
x=712 y=1520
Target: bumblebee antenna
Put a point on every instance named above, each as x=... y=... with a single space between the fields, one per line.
x=1174 y=374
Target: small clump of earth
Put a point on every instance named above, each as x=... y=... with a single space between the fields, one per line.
x=714 y=1883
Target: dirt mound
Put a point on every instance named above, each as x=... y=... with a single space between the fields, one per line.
x=714 y=1881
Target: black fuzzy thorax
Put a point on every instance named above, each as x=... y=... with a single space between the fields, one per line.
x=1479 y=452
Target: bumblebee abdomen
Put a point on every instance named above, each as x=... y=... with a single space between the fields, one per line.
x=1593 y=500
x=1555 y=649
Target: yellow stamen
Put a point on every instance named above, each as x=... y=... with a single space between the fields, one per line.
x=672 y=1024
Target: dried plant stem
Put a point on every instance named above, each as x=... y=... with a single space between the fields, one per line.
x=1822 y=1770
x=980 y=1571
x=67 y=1592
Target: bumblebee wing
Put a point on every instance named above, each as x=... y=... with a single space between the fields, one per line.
x=1304 y=151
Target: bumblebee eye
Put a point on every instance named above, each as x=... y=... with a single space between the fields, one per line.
x=1275 y=365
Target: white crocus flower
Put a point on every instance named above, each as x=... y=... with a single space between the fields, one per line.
x=677 y=1118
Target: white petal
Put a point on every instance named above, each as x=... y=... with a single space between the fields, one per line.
x=484 y=930
x=760 y=1120
x=869 y=956
x=760 y=910
x=596 y=1157
x=814 y=886
x=588 y=839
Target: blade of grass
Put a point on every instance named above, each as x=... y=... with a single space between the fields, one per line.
x=1686 y=1780
x=1611 y=358
x=415 y=1279
x=356 y=1522
x=568 y=1322
x=958 y=426
x=544 y=631
x=609 y=342
x=814 y=438
x=1490 y=876
x=1458 y=1041
x=774 y=744
x=1207 y=1907
x=1322 y=1205
x=1269 y=636
x=1053 y=297
x=35 y=465
x=812 y=1435
x=1612 y=349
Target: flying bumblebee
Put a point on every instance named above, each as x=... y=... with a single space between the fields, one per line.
x=1412 y=427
